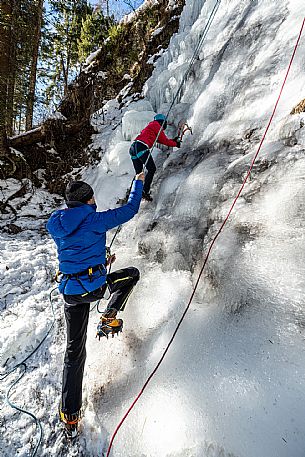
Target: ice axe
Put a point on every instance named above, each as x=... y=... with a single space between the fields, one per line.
x=183 y=127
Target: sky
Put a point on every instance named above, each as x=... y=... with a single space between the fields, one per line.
x=117 y=7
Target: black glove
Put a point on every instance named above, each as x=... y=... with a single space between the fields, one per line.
x=178 y=141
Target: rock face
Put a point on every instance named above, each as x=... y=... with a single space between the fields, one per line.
x=300 y=108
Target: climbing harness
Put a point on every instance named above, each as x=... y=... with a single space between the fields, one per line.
x=60 y=276
x=89 y=271
x=108 y=256
x=135 y=153
x=23 y=367
x=210 y=247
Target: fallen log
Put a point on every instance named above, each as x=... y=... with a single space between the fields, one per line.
x=43 y=133
x=27 y=138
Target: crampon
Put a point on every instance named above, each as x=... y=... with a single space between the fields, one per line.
x=108 y=326
x=70 y=422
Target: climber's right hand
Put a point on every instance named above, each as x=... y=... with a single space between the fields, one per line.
x=140 y=176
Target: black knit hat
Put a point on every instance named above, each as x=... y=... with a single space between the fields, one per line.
x=78 y=191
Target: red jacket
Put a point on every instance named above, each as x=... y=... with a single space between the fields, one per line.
x=149 y=134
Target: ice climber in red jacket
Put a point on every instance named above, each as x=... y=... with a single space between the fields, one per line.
x=140 y=150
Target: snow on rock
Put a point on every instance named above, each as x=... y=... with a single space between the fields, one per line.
x=157 y=31
x=155 y=57
x=118 y=158
x=8 y=187
x=131 y=16
x=140 y=105
x=106 y=116
x=134 y=121
x=102 y=74
x=300 y=136
x=57 y=115
x=290 y=128
x=92 y=56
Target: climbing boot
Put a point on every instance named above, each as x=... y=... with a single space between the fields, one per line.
x=146 y=196
x=70 y=422
x=109 y=324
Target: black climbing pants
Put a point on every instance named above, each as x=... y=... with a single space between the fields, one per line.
x=137 y=148
x=120 y=284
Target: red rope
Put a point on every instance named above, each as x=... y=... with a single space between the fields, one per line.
x=210 y=248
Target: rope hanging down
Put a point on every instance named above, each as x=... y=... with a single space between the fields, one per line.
x=211 y=246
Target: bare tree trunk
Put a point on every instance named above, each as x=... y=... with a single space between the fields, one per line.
x=19 y=119
x=10 y=94
x=65 y=74
x=66 y=68
x=6 y=7
x=33 y=73
x=12 y=76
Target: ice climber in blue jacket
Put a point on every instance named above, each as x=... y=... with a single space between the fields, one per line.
x=79 y=232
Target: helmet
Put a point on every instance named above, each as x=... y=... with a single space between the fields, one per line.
x=161 y=119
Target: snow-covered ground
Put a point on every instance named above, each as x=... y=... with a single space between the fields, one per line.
x=233 y=382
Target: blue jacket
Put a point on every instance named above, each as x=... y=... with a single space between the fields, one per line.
x=80 y=236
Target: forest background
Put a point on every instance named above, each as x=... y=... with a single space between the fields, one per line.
x=43 y=46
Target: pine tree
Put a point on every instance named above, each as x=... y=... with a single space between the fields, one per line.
x=22 y=55
x=38 y=12
x=60 y=50
x=95 y=29
x=12 y=71
x=6 y=15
